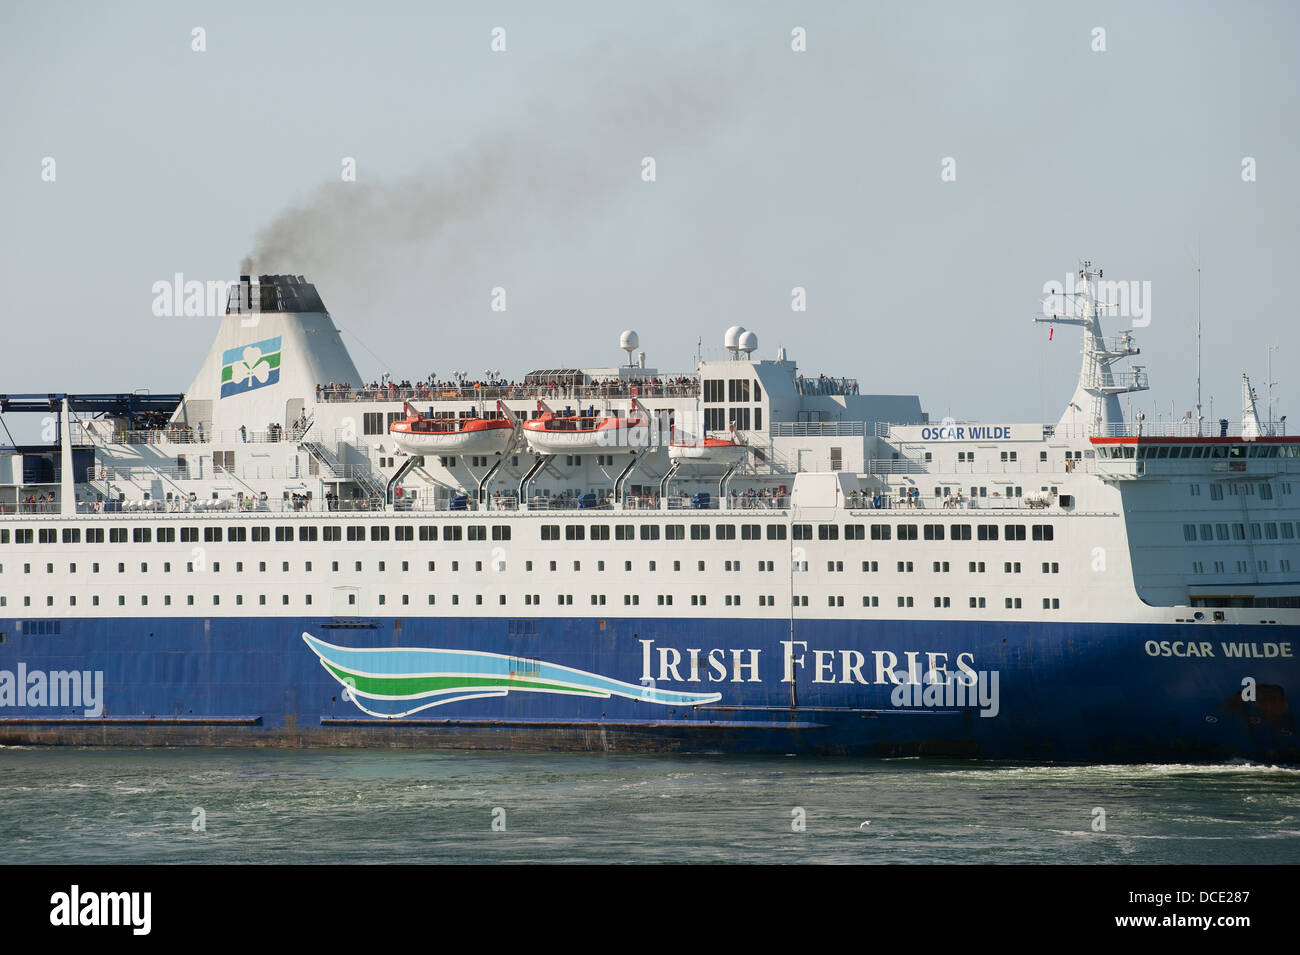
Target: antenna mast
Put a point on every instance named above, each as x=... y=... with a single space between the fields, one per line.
x=1199 y=419
x=1270 y=383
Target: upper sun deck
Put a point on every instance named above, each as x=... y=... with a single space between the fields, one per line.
x=676 y=386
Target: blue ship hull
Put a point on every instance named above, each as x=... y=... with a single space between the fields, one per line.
x=1063 y=691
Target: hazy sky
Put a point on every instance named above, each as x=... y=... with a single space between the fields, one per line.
x=774 y=169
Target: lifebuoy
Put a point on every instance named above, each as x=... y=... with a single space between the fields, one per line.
x=98 y=507
x=103 y=473
x=399 y=490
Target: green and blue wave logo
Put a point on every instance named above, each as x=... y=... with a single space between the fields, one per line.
x=250 y=367
x=392 y=683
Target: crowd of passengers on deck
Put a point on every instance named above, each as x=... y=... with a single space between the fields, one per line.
x=432 y=389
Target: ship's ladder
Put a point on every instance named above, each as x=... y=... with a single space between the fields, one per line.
x=372 y=484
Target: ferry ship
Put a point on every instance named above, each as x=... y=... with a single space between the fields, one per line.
x=739 y=558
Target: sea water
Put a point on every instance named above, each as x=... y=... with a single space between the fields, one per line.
x=188 y=805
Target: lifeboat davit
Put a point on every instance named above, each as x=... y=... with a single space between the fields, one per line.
x=569 y=434
x=708 y=451
x=419 y=434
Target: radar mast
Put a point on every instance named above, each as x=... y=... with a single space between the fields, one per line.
x=1095 y=409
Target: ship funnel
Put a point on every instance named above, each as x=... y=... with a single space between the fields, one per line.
x=276 y=344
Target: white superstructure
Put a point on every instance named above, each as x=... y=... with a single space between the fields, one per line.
x=274 y=486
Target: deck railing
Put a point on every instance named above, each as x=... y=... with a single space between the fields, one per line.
x=199 y=435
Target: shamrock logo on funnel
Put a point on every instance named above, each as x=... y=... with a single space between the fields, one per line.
x=252 y=366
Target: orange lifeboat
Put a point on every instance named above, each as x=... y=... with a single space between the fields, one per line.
x=568 y=434
x=419 y=434
x=708 y=451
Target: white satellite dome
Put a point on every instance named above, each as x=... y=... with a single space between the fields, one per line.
x=629 y=341
x=731 y=339
x=747 y=343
